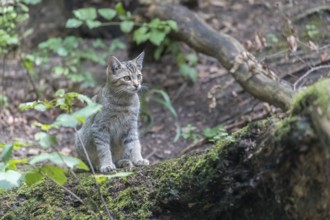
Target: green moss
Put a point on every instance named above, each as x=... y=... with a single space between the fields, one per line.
x=317 y=94
x=285 y=126
x=139 y=196
x=131 y=203
x=42 y=201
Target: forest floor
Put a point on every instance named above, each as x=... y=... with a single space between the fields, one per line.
x=248 y=21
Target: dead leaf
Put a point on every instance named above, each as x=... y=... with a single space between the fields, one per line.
x=292 y=43
x=312 y=45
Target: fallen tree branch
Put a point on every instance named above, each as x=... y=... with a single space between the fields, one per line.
x=246 y=70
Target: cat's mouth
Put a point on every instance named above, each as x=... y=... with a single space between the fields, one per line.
x=136 y=88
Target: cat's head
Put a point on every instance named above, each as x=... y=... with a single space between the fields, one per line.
x=125 y=76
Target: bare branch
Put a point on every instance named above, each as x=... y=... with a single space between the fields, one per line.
x=249 y=73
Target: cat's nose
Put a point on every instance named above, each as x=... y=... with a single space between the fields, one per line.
x=136 y=86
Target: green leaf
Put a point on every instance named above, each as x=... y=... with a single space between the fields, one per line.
x=45 y=157
x=70 y=161
x=27 y=105
x=85 y=13
x=84 y=98
x=62 y=51
x=126 y=26
x=173 y=25
x=107 y=13
x=120 y=9
x=44 y=127
x=59 y=159
x=32 y=178
x=66 y=120
x=45 y=140
x=52 y=43
x=188 y=71
x=12 y=163
x=60 y=93
x=209 y=132
x=7 y=152
x=3 y=167
x=141 y=35
x=71 y=42
x=19 y=144
x=87 y=111
x=116 y=44
x=28 y=64
x=157 y=37
x=59 y=70
x=158 y=52
x=192 y=58
x=165 y=101
x=10 y=179
x=32 y=2
x=81 y=165
x=155 y=23
x=100 y=178
x=40 y=107
x=93 y=24
x=54 y=172
x=73 y=23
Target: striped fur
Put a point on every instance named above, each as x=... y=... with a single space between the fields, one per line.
x=111 y=136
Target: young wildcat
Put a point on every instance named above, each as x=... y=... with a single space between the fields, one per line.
x=111 y=135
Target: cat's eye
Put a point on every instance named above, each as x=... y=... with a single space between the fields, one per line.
x=127 y=78
x=139 y=76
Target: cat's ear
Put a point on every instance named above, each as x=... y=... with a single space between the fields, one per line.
x=114 y=64
x=139 y=60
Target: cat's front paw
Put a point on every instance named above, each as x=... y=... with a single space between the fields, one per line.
x=107 y=168
x=124 y=163
x=143 y=162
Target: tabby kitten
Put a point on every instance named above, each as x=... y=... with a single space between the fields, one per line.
x=111 y=135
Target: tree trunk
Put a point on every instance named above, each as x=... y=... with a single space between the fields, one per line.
x=273 y=170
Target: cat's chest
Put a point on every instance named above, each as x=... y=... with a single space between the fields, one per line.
x=117 y=117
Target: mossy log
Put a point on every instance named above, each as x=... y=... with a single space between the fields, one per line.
x=273 y=170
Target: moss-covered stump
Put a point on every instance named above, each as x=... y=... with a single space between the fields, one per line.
x=275 y=169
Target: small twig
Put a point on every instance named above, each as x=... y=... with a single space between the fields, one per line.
x=94 y=174
x=3 y=72
x=151 y=154
x=311 y=11
x=242 y=122
x=307 y=73
x=178 y=93
x=117 y=23
x=193 y=145
x=303 y=61
x=31 y=81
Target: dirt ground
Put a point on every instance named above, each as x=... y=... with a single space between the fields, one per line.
x=244 y=20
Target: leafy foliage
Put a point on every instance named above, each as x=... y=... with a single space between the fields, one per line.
x=162 y=98
x=189 y=132
x=9 y=177
x=312 y=31
x=72 y=56
x=214 y=134
x=155 y=31
x=187 y=65
x=11 y=16
x=217 y=133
